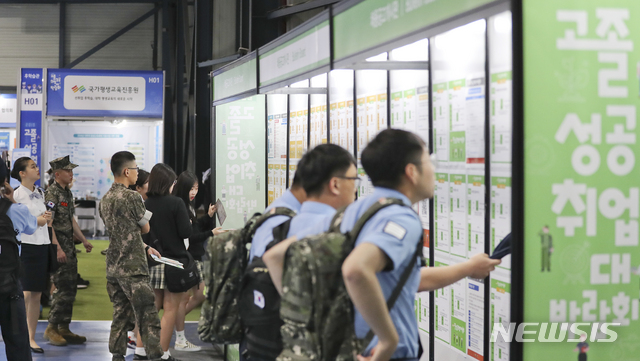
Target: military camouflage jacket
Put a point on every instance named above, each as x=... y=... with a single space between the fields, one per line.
x=121 y=209
x=63 y=216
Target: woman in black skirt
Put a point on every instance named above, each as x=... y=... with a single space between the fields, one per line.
x=202 y=228
x=35 y=248
x=170 y=224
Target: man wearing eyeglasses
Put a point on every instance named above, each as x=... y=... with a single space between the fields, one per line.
x=126 y=219
x=329 y=177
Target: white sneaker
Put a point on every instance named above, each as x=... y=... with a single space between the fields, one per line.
x=186 y=347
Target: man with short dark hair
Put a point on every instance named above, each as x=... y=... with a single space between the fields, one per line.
x=399 y=166
x=329 y=177
x=126 y=219
x=66 y=277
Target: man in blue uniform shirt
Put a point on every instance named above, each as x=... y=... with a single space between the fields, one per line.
x=329 y=177
x=291 y=199
x=399 y=167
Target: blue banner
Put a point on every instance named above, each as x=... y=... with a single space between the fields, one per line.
x=30 y=100
x=105 y=93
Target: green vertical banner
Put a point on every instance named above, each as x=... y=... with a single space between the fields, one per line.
x=240 y=159
x=582 y=257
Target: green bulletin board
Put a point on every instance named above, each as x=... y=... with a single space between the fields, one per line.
x=581 y=98
x=240 y=159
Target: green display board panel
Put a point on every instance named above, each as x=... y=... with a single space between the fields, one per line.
x=581 y=89
x=373 y=22
x=235 y=81
x=240 y=153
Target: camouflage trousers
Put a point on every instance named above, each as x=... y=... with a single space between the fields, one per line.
x=133 y=302
x=66 y=281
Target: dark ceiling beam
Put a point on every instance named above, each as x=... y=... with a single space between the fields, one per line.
x=291 y=10
x=112 y=37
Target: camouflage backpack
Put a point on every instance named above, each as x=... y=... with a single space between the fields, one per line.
x=315 y=306
x=219 y=317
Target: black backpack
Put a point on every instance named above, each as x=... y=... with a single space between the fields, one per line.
x=260 y=304
x=220 y=315
x=9 y=255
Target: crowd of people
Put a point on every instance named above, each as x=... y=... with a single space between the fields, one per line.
x=152 y=215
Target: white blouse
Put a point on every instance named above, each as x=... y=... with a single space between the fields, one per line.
x=37 y=208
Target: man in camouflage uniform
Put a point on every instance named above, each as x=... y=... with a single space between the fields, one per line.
x=126 y=218
x=66 y=277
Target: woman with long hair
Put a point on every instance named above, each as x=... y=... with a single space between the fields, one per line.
x=170 y=224
x=35 y=247
x=186 y=188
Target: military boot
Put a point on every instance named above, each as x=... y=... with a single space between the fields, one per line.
x=52 y=335
x=71 y=337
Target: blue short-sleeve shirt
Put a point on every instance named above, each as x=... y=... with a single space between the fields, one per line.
x=264 y=233
x=314 y=218
x=23 y=221
x=396 y=230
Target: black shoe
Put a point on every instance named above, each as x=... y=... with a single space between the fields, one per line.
x=140 y=357
x=36 y=350
x=82 y=282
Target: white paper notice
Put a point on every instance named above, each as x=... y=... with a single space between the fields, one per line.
x=475 y=203
x=397 y=117
x=442 y=225
x=441 y=121
x=443 y=311
x=459 y=315
x=501 y=117
x=500 y=213
x=422 y=111
x=475 y=326
x=501 y=303
x=475 y=114
x=458 y=214
x=422 y=311
x=409 y=110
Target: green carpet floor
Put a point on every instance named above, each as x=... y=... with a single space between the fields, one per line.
x=92 y=303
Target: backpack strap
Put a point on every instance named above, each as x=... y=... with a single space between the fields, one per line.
x=396 y=291
x=336 y=221
x=355 y=232
x=280 y=233
x=380 y=204
x=278 y=211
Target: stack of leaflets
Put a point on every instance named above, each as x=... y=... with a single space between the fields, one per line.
x=169 y=261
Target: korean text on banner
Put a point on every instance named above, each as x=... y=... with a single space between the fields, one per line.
x=581 y=86
x=98 y=93
x=240 y=159
x=31 y=113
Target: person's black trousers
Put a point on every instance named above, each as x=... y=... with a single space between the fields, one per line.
x=13 y=321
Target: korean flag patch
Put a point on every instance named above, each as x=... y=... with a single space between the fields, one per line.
x=258 y=299
x=395 y=230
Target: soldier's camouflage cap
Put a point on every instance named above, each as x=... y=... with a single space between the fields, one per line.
x=62 y=163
